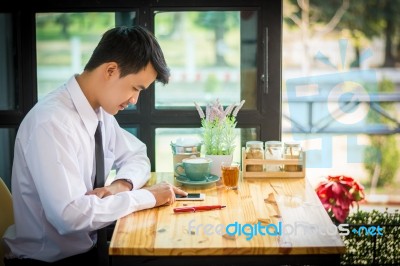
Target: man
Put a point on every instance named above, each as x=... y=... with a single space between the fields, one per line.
x=57 y=210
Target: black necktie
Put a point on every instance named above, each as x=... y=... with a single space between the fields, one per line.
x=102 y=246
x=98 y=149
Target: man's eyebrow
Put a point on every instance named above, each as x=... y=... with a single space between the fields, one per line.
x=140 y=87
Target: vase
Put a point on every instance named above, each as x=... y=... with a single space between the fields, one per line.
x=216 y=162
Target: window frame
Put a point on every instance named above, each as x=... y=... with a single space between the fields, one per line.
x=266 y=118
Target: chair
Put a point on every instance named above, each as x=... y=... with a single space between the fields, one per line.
x=6 y=214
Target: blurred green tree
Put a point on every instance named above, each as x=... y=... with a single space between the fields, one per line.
x=381 y=158
x=314 y=19
x=220 y=22
x=363 y=19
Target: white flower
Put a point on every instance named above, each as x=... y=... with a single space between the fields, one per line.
x=199 y=110
x=229 y=109
x=238 y=108
x=219 y=127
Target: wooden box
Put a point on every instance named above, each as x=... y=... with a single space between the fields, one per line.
x=278 y=174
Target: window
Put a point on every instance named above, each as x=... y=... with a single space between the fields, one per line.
x=340 y=91
x=214 y=52
x=212 y=64
x=7 y=80
x=64 y=43
x=9 y=104
x=210 y=60
x=7 y=139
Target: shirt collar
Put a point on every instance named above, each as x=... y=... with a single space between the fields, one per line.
x=89 y=117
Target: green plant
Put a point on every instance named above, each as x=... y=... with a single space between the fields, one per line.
x=219 y=127
x=371 y=249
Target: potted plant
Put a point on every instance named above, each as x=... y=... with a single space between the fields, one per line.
x=338 y=194
x=218 y=132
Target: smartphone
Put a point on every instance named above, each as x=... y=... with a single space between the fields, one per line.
x=191 y=196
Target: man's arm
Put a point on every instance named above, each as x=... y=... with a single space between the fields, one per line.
x=131 y=159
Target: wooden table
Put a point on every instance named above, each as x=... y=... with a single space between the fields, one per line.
x=160 y=237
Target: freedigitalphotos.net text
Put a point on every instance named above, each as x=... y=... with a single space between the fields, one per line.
x=279 y=229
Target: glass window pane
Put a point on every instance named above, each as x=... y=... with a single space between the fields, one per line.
x=341 y=92
x=212 y=54
x=7 y=139
x=65 y=42
x=7 y=66
x=164 y=137
x=132 y=130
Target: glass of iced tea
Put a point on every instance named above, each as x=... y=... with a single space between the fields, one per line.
x=230 y=175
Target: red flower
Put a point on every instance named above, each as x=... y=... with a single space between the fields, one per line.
x=338 y=193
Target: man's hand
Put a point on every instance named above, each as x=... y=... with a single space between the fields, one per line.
x=165 y=193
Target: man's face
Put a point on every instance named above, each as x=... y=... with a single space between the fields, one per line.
x=120 y=92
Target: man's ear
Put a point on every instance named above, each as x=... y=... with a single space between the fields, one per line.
x=111 y=70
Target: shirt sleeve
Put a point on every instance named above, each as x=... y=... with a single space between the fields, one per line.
x=51 y=157
x=131 y=161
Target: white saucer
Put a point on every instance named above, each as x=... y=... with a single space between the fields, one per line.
x=210 y=180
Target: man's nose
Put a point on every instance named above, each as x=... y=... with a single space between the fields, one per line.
x=133 y=100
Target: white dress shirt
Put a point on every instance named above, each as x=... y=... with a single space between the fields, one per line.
x=53 y=169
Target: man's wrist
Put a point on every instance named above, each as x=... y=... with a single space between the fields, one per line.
x=126 y=181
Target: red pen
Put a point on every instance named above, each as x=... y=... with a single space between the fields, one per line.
x=199 y=208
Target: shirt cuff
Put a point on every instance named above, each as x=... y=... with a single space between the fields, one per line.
x=145 y=198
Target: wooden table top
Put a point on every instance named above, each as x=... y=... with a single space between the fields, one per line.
x=289 y=205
